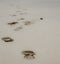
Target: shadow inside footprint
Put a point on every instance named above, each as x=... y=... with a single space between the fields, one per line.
x=28 y=54
x=27 y=23
x=12 y=23
x=7 y=39
x=18 y=28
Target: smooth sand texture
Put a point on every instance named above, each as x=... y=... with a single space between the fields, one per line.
x=42 y=36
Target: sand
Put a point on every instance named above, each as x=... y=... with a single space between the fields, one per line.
x=40 y=36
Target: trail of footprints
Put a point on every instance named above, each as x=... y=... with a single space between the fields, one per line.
x=28 y=53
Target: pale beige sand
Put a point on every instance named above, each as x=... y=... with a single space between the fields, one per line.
x=42 y=36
